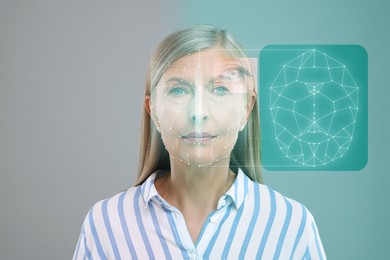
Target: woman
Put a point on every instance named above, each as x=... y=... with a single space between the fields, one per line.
x=198 y=194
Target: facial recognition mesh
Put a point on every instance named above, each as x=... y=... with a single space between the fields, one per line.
x=313 y=103
x=199 y=106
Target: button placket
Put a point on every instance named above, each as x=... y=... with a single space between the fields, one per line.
x=193 y=255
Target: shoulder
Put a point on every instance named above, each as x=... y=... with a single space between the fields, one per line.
x=273 y=198
x=282 y=211
x=120 y=206
x=289 y=219
x=110 y=208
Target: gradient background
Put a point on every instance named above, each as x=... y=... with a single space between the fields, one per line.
x=71 y=92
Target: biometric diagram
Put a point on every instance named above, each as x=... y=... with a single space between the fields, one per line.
x=313 y=104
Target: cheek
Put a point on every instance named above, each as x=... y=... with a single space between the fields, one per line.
x=167 y=111
x=229 y=115
x=171 y=119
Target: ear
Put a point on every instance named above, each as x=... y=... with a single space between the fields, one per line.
x=148 y=108
x=252 y=95
x=250 y=103
x=147 y=104
x=251 y=100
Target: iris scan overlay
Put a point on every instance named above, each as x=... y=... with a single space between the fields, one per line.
x=314 y=104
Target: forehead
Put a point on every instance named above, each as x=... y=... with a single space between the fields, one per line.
x=209 y=60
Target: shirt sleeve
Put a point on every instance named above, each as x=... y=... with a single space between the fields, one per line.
x=78 y=253
x=82 y=251
x=314 y=249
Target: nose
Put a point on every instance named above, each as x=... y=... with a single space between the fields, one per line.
x=198 y=111
x=197 y=118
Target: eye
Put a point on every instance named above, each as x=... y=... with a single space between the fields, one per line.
x=220 y=90
x=177 y=91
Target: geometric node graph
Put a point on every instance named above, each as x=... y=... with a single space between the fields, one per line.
x=314 y=105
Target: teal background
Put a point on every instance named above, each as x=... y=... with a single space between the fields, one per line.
x=272 y=58
x=351 y=208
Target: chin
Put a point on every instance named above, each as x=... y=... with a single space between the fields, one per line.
x=203 y=159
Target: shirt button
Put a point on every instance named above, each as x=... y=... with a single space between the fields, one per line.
x=193 y=255
x=223 y=203
x=213 y=219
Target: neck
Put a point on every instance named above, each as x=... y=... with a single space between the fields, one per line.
x=199 y=188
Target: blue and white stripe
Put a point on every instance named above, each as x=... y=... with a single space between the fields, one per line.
x=251 y=222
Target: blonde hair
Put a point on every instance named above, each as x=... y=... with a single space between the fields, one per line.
x=153 y=155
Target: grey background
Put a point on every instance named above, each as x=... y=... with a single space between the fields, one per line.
x=71 y=90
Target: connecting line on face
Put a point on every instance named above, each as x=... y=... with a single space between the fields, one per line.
x=210 y=164
x=198 y=101
x=183 y=73
x=170 y=127
x=180 y=160
x=159 y=112
x=227 y=143
x=212 y=146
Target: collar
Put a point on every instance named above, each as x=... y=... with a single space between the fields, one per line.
x=236 y=193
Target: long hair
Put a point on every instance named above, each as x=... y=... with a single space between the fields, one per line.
x=153 y=155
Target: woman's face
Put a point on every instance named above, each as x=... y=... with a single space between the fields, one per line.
x=200 y=105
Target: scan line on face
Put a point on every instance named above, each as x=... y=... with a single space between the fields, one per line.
x=198 y=102
x=200 y=106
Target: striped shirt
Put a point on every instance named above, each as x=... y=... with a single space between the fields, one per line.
x=251 y=222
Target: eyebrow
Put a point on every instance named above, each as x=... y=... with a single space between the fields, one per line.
x=242 y=70
x=177 y=79
x=211 y=81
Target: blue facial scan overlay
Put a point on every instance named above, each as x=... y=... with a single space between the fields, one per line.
x=313 y=105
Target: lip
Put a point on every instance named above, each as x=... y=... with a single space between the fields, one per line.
x=196 y=137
